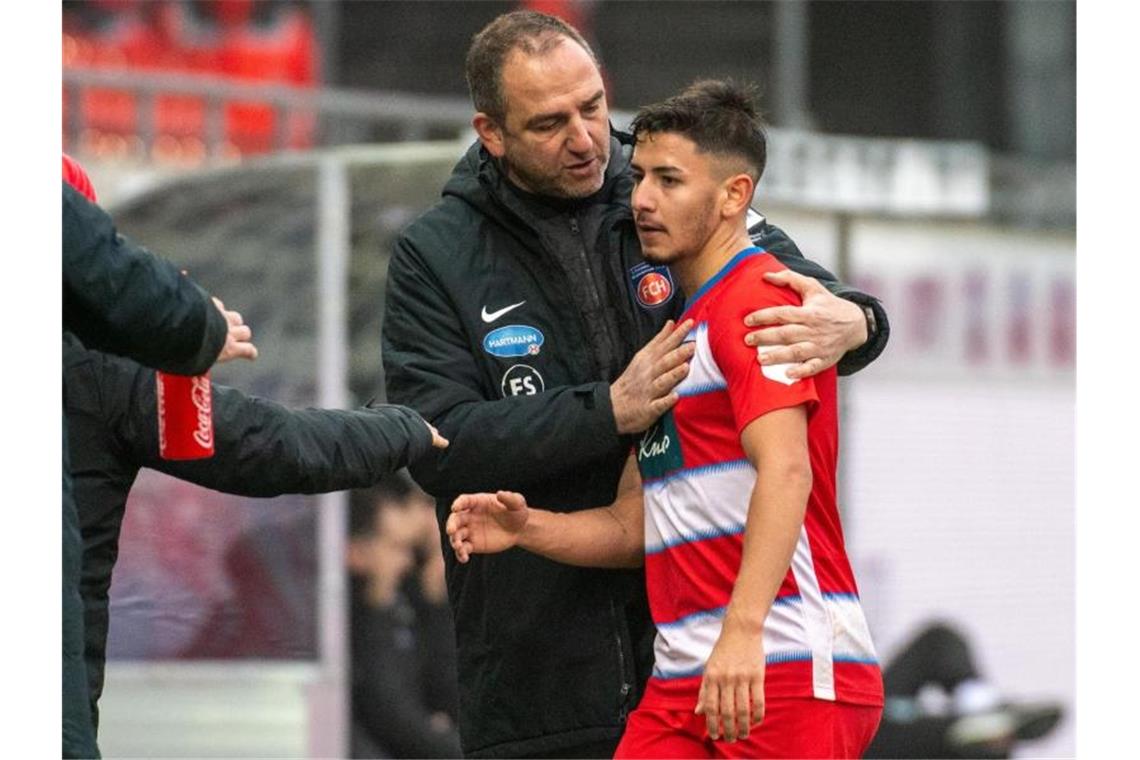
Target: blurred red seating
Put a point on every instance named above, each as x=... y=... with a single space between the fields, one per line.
x=240 y=40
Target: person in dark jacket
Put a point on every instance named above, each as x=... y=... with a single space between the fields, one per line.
x=516 y=312
x=261 y=449
x=403 y=700
x=120 y=298
x=970 y=716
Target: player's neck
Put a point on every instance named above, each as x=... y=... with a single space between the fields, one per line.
x=722 y=245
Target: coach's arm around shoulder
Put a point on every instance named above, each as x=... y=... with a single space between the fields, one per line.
x=837 y=325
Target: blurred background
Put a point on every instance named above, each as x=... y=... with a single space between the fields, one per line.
x=924 y=151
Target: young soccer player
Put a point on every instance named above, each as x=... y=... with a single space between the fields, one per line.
x=762 y=647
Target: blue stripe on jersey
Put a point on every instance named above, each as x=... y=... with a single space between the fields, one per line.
x=776 y=658
x=836 y=595
x=794 y=656
x=700 y=390
x=691 y=471
x=715 y=613
x=696 y=537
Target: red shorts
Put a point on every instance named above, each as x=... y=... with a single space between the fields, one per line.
x=792 y=728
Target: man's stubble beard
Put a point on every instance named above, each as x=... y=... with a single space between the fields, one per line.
x=702 y=230
x=557 y=186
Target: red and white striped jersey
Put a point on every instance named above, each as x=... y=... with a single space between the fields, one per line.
x=698 y=483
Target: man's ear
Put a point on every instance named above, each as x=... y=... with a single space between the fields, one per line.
x=490 y=134
x=738 y=190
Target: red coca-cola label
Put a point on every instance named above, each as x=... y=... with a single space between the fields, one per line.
x=201 y=397
x=185 y=416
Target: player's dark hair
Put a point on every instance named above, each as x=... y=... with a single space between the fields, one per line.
x=719 y=116
x=529 y=31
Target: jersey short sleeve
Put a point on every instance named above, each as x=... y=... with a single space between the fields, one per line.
x=752 y=390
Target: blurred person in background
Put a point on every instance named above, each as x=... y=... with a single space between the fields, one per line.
x=261 y=449
x=940 y=705
x=403 y=678
x=762 y=649
x=426 y=589
x=119 y=298
x=515 y=311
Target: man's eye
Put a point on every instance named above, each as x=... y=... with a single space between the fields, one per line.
x=669 y=181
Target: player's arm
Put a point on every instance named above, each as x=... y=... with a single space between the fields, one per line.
x=837 y=324
x=611 y=536
x=732 y=690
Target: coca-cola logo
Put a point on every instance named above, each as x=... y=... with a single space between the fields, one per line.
x=161 y=392
x=202 y=400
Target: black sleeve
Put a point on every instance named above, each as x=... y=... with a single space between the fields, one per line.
x=773 y=239
x=262 y=448
x=517 y=443
x=120 y=298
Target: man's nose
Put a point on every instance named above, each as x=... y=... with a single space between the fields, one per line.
x=640 y=200
x=578 y=136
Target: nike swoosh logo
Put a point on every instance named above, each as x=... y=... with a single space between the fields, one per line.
x=490 y=317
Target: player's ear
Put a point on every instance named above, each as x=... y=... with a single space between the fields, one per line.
x=490 y=133
x=737 y=194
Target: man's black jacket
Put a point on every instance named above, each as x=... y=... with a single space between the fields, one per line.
x=118 y=297
x=483 y=337
x=260 y=449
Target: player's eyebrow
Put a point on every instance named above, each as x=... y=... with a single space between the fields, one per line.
x=663 y=170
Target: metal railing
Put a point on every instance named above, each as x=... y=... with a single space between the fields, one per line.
x=835 y=172
x=414 y=117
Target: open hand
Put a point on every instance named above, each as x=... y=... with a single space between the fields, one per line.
x=811 y=337
x=486 y=523
x=645 y=390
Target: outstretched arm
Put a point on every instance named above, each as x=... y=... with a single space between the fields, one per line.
x=611 y=536
x=262 y=448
